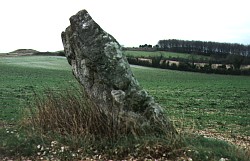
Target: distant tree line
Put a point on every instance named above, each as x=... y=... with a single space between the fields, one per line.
x=203 y=47
x=57 y=53
x=145 y=46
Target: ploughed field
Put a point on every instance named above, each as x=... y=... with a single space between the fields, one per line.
x=208 y=104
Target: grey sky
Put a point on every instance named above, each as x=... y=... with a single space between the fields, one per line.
x=37 y=24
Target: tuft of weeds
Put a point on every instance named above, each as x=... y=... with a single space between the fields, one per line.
x=71 y=113
x=73 y=121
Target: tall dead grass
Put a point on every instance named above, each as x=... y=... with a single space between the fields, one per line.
x=71 y=113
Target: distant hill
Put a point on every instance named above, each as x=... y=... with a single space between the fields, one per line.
x=31 y=52
x=24 y=51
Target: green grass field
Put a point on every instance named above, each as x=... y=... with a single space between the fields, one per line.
x=209 y=101
x=22 y=76
x=210 y=104
x=206 y=101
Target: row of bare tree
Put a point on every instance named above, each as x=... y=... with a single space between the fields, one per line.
x=203 y=47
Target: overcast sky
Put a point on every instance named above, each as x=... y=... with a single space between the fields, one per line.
x=37 y=24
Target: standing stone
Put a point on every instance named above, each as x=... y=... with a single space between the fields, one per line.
x=100 y=66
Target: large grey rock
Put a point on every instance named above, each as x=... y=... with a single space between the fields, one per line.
x=99 y=64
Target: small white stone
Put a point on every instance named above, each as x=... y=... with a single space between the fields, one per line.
x=84 y=25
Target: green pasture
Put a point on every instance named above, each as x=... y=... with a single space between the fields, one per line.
x=20 y=77
x=218 y=103
x=202 y=101
x=165 y=55
x=193 y=101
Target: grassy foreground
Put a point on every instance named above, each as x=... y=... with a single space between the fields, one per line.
x=211 y=105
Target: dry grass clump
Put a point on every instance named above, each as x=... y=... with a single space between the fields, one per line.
x=73 y=114
x=111 y=132
x=68 y=114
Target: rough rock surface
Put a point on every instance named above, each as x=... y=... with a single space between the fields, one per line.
x=99 y=64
